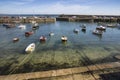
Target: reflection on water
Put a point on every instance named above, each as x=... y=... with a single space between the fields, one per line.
x=80 y=50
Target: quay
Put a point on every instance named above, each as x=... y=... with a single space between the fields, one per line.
x=17 y=19
x=91 y=72
x=89 y=18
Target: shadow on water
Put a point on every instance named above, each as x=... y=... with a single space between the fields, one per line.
x=110 y=76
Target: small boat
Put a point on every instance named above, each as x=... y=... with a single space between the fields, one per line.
x=43 y=38
x=83 y=28
x=8 y=25
x=111 y=25
x=51 y=34
x=64 y=38
x=22 y=26
x=97 y=32
x=29 y=33
x=30 y=48
x=76 y=30
x=35 y=26
x=101 y=28
x=15 y=39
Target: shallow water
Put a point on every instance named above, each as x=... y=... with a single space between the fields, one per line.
x=81 y=49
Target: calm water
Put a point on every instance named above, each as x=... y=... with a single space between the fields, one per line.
x=81 y=49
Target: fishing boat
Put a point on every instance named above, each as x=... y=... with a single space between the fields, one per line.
x=43 y=39
x=97 y=32
x=22 y=26
x=15 y=39
x=101 y=28
x=64 y=38
x=30 y=48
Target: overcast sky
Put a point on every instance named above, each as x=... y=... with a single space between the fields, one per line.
x=93 y=7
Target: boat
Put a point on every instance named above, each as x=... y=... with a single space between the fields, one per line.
x=97 y=32
x=35 y=26
x=64 y=38
x=29 y=33
x=111 y=25
x=22 y=26
x=51 y=34
x=8 y=25
x=83 y=28
x=101 y=28
x=43 y=39
x=76 y=30
x=15 y=39
x=30 y=48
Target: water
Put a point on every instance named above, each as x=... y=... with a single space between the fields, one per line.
x=81 y=49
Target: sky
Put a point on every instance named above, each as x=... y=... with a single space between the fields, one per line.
x=81 y=7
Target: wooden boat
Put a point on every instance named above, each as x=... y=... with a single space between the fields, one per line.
x=22 y=26
x=15 y=39
x=97 y=32
x=64 y=38
x=101 y=28
x=43 y=38
x=30 y=48
x=51 y=34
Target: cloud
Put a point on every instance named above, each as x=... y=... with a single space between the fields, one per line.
x=58 y=8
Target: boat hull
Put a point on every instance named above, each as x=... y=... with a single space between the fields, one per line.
x=30 y=48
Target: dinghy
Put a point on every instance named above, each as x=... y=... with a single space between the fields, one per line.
x=30 y=48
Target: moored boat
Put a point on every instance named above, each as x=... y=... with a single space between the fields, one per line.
x=8 y=25
x=15 y=39
x=51 y=34
x=64 y=38
x=35 y=26
x=22 y=26
x=97 y=32
x=83 y=28
x=111 y=25
x=101 y=28
x=43 y=38
x=76 y=30
x=30 y=48
x=29 y=33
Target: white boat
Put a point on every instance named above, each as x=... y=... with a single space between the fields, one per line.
x=111 y=25
x=101 y=28
x=22 y=26
x=97 y=32
x=76 y=30
x=51 y=34
x=64 y=38
x=35 y=26
x=30 y=48
x=15 y=39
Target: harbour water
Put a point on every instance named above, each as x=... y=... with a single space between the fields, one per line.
x=81 y=49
